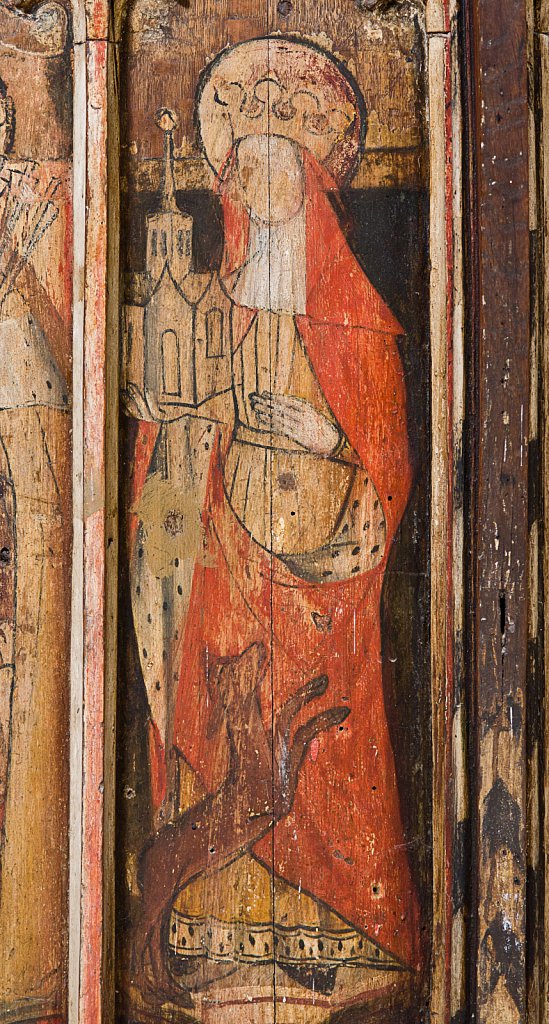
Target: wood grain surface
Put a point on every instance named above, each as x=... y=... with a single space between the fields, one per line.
x=35 y=508
x=501 y=337
x=188 y=931
x=280 y=615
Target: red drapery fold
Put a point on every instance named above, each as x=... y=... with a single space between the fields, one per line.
x=343 y=841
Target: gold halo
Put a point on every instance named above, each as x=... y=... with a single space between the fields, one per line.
x=282 y=86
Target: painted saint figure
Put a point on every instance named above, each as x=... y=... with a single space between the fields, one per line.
x=301 y=473
x=35 y=312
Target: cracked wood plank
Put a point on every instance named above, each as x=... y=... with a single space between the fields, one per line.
x=95 y=507
x=501 y=512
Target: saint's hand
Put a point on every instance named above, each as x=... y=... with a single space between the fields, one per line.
x=296 y=419
x=135 y=404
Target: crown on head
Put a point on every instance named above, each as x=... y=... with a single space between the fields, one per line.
x=276 y=85
x=272 y=106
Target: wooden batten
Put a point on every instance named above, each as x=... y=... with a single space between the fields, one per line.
x=535 y=997
x=441 y=530
x=459 y=800
x=95 y=519
x=437 y=18
x=77 y=604
x=543 y=154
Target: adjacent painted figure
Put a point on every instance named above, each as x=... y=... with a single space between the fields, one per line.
x=35 y=520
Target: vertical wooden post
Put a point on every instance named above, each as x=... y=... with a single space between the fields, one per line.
x=95 y=488
x=459 y=789
x=440 y=511
x=500 y=228
x=542 y=54
x=535 y=1013
x=447 y=382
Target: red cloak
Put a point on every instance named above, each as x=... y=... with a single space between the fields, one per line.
x=343 y=841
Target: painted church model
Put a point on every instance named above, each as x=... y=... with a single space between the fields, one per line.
x=176 y=334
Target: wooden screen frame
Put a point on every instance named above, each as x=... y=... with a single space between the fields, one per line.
x=480 y=341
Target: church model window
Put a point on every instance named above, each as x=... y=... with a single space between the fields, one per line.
x=171 y=367
x=214 y=333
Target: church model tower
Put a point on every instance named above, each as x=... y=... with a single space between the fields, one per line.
x=176 y=334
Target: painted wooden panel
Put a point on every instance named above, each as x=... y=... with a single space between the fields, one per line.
x=275 y=788
x=304 y=654
x=35 y=506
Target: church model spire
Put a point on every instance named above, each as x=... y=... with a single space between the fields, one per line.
x=167 y=121
x=169 y=232
x=176 y=337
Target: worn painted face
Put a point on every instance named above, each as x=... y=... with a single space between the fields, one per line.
x=270 y=177
x=275 y=86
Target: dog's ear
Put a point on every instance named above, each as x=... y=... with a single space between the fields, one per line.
x=254 y=660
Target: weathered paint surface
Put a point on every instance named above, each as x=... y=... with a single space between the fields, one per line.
x=35 y=507
x=501 y=533
x=174 y=821
x=205 y=923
